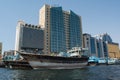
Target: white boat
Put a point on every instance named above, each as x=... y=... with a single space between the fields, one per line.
x=102 y=61
x=111 y=60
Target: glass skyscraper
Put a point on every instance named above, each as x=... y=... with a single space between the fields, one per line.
x=57 y=30
x=75 y=30
x=62 y=29
x=93 y=45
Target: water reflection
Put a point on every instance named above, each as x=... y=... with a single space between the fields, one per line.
x=89 y=73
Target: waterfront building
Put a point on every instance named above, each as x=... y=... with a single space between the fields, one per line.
x=100 y=48
x=29 y=38
x=0 y=50
x=90 y=43
x=86 y=42
x=93 y=46
x=106 y=39
x=110 y=48
x=102 y=44
x=99 y=45
x=113 y=50
x=62 y=29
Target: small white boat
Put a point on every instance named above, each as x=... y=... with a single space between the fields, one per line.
x=111 y=61
x=102 y=61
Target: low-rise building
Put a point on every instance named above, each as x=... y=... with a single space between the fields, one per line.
x=113 y=50
x=101 y=46
x=96 y=46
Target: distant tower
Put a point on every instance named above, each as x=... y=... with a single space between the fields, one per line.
x=0 y=50
x=62 y=29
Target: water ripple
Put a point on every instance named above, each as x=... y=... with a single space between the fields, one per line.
x=103 y=72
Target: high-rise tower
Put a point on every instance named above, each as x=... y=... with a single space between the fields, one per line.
x=62 y=29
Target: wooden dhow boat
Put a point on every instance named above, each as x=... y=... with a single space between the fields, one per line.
x=76 y=59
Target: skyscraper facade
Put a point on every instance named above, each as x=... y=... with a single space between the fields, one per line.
x=86 y=42
x=29 y=38
x=62 y=29
x=112 y=47
x=97 y=46
x=90 y=43
x=101 y=46
x=93 y=46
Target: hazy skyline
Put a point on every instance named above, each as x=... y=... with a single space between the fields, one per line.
x=98 y=16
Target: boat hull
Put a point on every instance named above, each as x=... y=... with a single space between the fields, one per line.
x=54 y=62
x=93 y=63
x=17 y=64
x=42 y=65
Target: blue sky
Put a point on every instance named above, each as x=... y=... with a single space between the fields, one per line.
x=98 y=16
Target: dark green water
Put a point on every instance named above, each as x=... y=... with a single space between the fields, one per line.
x=103 y=72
